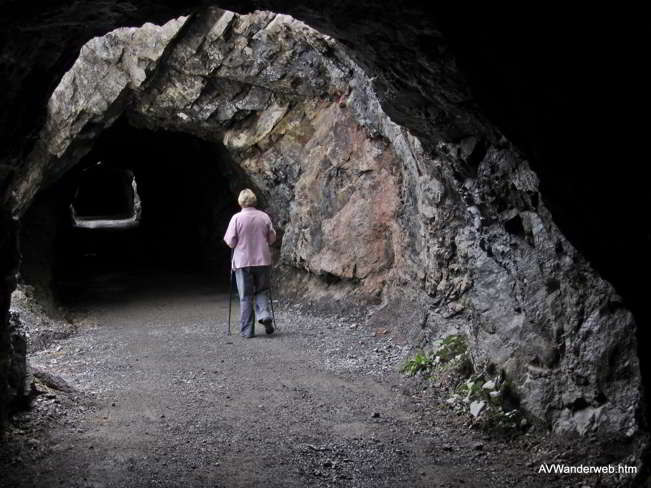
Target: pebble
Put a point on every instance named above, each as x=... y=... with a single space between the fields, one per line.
x=476 y=408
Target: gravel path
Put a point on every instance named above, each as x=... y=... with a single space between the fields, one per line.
x=164 y=398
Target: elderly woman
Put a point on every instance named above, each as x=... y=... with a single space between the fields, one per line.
x=250 y=233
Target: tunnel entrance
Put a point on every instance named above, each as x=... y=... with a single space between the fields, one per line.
x=184 y=199
x=118 y=204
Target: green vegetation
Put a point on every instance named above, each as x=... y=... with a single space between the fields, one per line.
x=451 y=347
x=420 y=362
x=450 y=352
x=449 y=368
x=471 y=389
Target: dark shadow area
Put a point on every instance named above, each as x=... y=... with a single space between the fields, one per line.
x=186 y=204
x=104 y=193
x=542 y=81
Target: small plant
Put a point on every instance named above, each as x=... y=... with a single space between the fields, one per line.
x=418 y=363
x=471 y=389
x=480 y=392
x=448 y=353
x=451 y=347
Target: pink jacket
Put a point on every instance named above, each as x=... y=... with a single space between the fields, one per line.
x=250 y=232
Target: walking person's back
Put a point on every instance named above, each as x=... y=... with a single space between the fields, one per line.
x=250 y=233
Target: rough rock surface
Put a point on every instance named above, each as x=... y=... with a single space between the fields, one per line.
x=452 y=237
x=38 y=326
x=18 y=390
x=8 y=272
x=89 y=95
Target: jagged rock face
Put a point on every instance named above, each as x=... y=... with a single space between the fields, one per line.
x=18 y=389
x=448 y=235
x=86 y=98
x=8 y=356
x=540 y=311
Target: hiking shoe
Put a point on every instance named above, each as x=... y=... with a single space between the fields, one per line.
x=268 y=325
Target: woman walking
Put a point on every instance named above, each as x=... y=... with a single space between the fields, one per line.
x=249 y=234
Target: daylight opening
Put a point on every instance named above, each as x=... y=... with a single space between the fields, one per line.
x=106 y=198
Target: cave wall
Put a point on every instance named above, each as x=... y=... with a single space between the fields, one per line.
x=9 y=357
x=451 y=235
x=37 y=241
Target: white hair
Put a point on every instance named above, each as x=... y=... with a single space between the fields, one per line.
x=247 y=198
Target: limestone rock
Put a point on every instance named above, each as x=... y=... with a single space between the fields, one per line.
x=494 y=395
x=477 y=407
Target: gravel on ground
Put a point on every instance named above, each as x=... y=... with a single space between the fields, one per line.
x=150 y=391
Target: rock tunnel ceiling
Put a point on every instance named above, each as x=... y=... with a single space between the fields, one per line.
x=453 y=239
x=277 y=107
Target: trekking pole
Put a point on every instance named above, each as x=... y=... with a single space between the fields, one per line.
x=271 y=301
x=230 y=291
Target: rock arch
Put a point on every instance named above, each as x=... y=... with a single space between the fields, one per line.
x=261 y=87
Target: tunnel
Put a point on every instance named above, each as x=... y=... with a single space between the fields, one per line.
x=185 y=205
x=428 y=175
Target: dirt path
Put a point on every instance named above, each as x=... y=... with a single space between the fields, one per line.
x=165 y=398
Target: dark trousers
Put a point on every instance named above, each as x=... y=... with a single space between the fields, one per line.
x=253 y=288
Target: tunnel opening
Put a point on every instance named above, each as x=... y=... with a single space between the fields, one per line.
x=151 y=214
x=119 y=205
